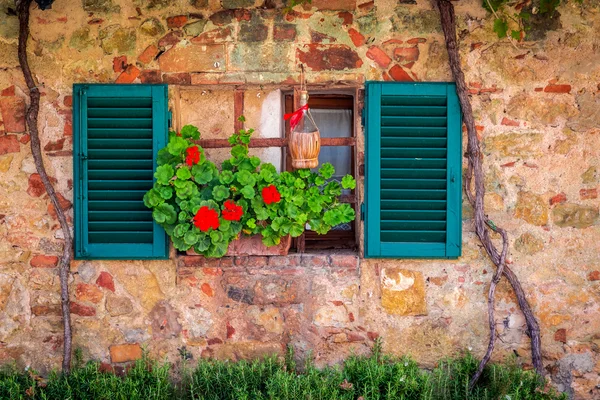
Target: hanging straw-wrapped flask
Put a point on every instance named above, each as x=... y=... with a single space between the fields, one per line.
x=305 y=139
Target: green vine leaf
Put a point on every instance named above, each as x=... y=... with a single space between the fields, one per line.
x=500 y=27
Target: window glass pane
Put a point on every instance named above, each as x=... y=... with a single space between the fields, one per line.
x=335 y=123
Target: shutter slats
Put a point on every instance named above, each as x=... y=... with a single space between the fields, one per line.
x=122 y=128
x=409 y=168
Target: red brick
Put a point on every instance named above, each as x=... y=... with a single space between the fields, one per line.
x=87 y=292
x=594 y=276
x=386 y=77
x=125 y=352
x=348 y=261
x=9 y=144
x=586 y=194
x=106 y=281
x=416 y=40
x=367 y=6
x=351 y=317
x=148 y=55
x=379 y=56
x=336 y=57
x=36 y=187
x=207 y=289
x=212 y=271
x=346 y=17
x=406 y=54
x=559 y=198
x=182 y=78
x=81 y=310
x=25 y=139
x=213 y=341
x=539 y=89
x=355 y=337
x=9 y=91
x=357 y=38
x=129 y=75
x=43 y=310
x=170 y=39
x=55 y=146
x=213 y=36
x=509 y=122
x=68 y=128
x=509 y=164
x=372 y=335
x=64 y=204
x=284 y=32
x=557 y=88
x=119 y=63
x=177 y=21
x=561 y=335
x=349 y=5
x=241 y=14
x=13 y=114
x=68 y=101
x=150 y=76
x=337 y=303
x=43 y=261
x=230 y=330
x=400 y=75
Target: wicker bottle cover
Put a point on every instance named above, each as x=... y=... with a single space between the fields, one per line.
x=305 y=139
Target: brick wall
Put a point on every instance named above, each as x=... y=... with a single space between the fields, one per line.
x=537 y=112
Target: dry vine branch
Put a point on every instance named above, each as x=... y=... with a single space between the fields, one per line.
x=32 y=123
x=482 y=224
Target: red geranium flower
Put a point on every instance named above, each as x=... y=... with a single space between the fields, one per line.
x=270 y=194
x=192 y=155
x=206 y=218
x=232 y=211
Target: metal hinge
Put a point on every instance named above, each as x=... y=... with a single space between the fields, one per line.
x=170 y=119
x=362 y=211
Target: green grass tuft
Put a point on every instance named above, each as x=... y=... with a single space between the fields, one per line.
x=376 y=377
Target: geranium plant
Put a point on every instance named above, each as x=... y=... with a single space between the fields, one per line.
x=204 y=208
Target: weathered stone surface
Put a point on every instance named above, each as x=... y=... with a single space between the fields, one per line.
x=199 y=3
x=253 y=32
x=125 y=352
x=117 y=305
x=284 y=32
x=269 y=318
x=199 y=321
x=9 y=144
x=87 y=292
x=13 y=114
x=340 y=5
x=5 y=163
x=591 y=175
x=531 y=208
x=81 y=39
x=251 y=350
x=403 y=292
x=574 y=215
x=589 y=107
x=100 y=6
x=193 y=58
x=539 y=110
x=148 y=54
x=233 y=4
x=514 y=144
x=195 y=28
x=86 y=271
x=336 y=57
x=163 y=319
x=152 y=27
x=249 y=57
x=528 y=244
x=116 y=38
x=9 y=24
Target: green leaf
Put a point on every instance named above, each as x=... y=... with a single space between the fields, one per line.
x=515 y=35
x=217 y=250
x=261 y=213
x=299 y=183
x=191 y=237
x=184 y=217
x=216 y=236
x=319 y=180
x=226 y=177
x=177 y=145
x=500 y=27
x=245 y=178
x=220 y=192
x=164 y=157
x=327 y=170
x=239 y=151
x=347 y=213
x=203 y=173
x=224 y=225
x=348 y=182
x=248 y=192
x=164 y=213
x=255 y=161
x=163 y=174
x=152 y=198
x=296 y=230
x=202 y=244
x=180 y=244
x=181 y=229
x=190 y=132
x=184 y=173
x=166 y=192
x=548 y=6
x=303 y=173
x=251 y=223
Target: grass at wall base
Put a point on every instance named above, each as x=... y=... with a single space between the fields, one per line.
x=374 y=377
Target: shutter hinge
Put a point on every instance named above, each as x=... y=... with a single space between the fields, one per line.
x=362 y=211
x=170 y=119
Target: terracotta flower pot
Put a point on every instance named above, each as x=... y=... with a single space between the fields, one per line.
x=253 y=246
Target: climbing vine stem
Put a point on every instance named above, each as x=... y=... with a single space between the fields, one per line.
x=474 y=180
x=31 y=117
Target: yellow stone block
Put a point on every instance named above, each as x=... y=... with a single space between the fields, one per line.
x=403 y=292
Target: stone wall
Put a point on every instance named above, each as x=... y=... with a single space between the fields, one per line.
x=537 y=107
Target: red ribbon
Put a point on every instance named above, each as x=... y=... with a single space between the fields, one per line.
x=295 y=116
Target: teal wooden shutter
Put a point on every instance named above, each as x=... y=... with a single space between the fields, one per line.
x=413 y=170
x=118 y=130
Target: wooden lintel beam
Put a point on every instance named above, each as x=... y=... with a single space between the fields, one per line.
x=273 y=142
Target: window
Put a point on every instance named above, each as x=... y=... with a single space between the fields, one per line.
x=413 y=170
x=118 y=130
x=334 y=115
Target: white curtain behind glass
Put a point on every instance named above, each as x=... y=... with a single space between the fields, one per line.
x=334 y=123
